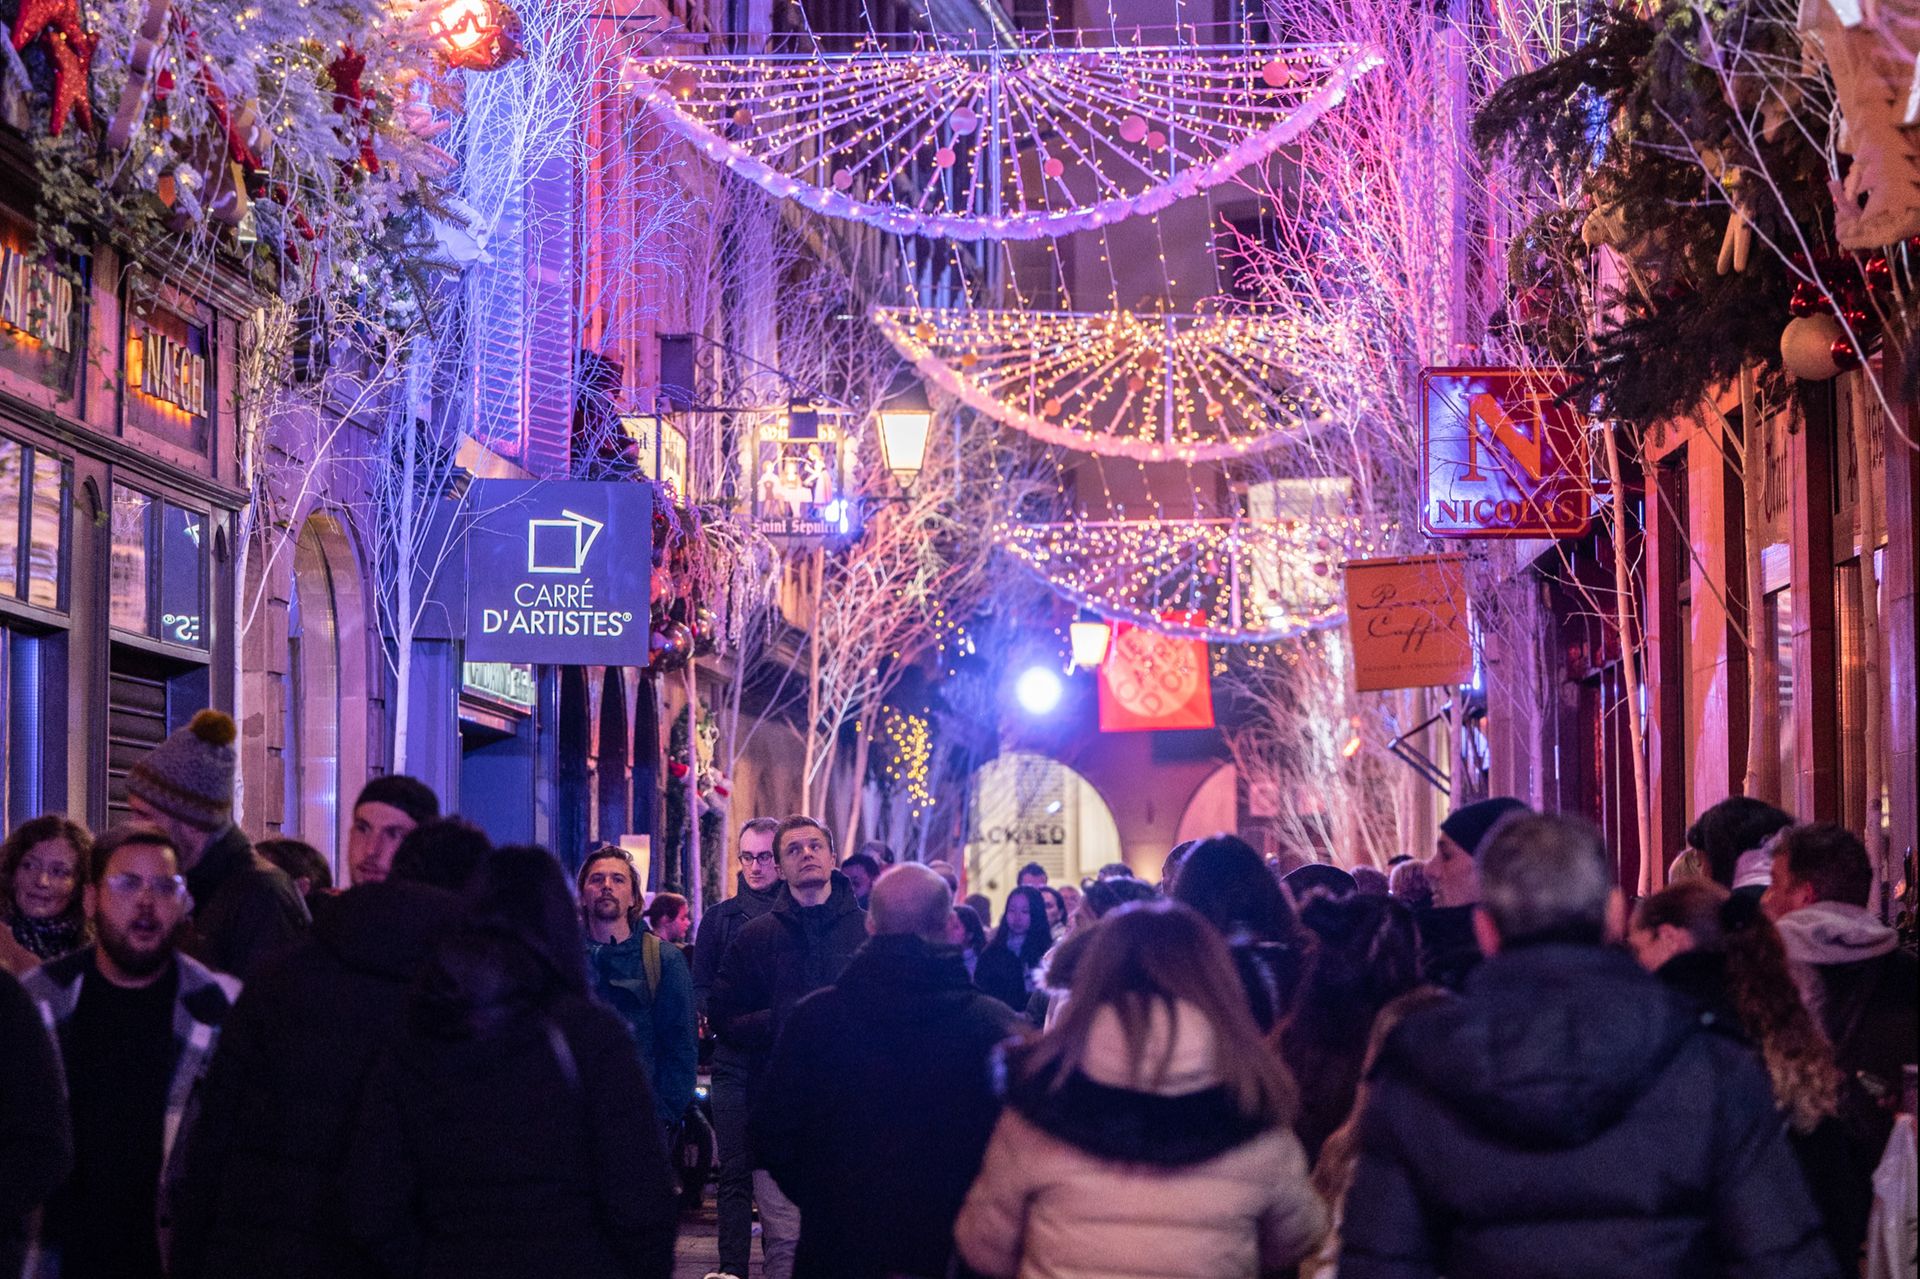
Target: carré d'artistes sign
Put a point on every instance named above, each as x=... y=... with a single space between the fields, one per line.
x=559 y=572
x=1503 y=455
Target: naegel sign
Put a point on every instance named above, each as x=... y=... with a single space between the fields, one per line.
x=1504 y=456
x=559 y=572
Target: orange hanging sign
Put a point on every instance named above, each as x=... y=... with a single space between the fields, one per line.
x=1408 y=621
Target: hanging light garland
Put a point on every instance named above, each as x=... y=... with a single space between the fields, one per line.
x=994 y=143
x=1222 y=580
x=1188 y=388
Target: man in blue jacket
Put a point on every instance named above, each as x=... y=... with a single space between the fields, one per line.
x=643 y=980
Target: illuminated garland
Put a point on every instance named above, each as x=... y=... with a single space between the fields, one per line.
x=998 y=144
x=1155 y=388
x=909 y=740
x=1231 y=581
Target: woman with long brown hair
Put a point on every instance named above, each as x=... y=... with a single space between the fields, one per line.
x=43 y=867
x=1721 y=951
x=1149 y=1133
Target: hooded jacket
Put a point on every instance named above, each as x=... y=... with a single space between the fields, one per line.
x=882 y=1079
x=777 y=960
x=260 y=1188
x=245 y=909
x=201 y=1002
x=1868 y=989
x=1572 y=1116
x=1114 y=1175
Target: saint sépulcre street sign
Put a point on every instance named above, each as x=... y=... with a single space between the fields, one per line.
x=559 y=572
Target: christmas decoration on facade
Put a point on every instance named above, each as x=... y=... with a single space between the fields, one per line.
x=475 y=35
x=70 y=46
x=996 y=143
x=1153 y=387
x=1225 y=580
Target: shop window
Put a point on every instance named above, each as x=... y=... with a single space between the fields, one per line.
x=1780 y=645
x=148 y=697
x=35 y=502
x=13 y=470
x=159 y=569
x=32 y=755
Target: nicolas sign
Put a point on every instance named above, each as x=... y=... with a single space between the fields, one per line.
x=1505 y=455
x=559 y=572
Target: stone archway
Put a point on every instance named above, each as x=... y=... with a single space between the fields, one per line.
x=1030 y=807
x=327 y=672
x=1214 y=806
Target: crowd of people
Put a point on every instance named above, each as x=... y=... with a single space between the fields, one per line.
x=214 y=1064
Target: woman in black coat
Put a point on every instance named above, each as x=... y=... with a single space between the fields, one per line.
x=509 y=1130
x=1227 y=882
x=1006 y=967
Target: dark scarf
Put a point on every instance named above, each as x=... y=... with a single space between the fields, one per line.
x=1124 y=1126
x=49 y=938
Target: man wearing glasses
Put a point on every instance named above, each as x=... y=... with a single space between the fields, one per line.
x=755 y=890
x=800 y=945
x=135 y=1023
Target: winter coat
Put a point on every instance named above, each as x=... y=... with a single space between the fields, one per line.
x=777 y=960
x=882 y=1079
x=661 y=1019
x=1571 y=1116
x=201 y=1002
x=1839 y=1174
x=36 y=1140
x=1000 y=973
x=718 y=927
x=1448 y=949
x=527 y=1151
x=260 y=1192
x=1111 y=1176
x=245 y=909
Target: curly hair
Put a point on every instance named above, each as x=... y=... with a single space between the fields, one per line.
x=31 y=834
x=1760 y=985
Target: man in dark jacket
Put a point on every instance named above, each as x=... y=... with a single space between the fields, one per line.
x=903 y=1023
x=1448 y=951
x=800 y=945
x=1869 y=988
x=36 y=1141
x=754 y=894
x=1569 y=1115
x=640 y=978
x=261 y=1193
x=245 y=909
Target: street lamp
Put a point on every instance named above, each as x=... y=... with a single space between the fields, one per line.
x=1089 y=638
x=906 y=419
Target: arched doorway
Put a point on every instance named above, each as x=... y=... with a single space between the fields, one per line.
x=612 y=758
x=326 y=689
x=1215 y=806
x=1029 y=808
x=573 y=795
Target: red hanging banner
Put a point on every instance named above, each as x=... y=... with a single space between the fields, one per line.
x=1151 y=681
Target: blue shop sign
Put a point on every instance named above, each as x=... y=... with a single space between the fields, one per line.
x=559 y=572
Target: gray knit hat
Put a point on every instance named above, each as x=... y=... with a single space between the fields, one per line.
x=189 y=776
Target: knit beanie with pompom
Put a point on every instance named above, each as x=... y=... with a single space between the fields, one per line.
x=189 y=776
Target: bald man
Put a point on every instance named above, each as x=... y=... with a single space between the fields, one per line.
x=882 y=1080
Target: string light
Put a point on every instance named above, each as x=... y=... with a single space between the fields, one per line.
x=909 y=749
x=1223 y=580
x=994 y=143
x=1154 y=388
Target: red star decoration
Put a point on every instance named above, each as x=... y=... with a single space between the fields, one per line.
x=70 y=46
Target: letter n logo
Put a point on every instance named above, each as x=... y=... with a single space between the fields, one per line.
x=1487 y=419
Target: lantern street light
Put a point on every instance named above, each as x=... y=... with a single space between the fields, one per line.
x=1089 y=638
x=906 y=419
x=475 y=35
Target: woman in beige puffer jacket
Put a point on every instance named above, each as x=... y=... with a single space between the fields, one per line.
x=1149 y=1133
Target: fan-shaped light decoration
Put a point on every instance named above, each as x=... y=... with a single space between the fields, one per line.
x=993 y=143
x=1157 y=388
x=1224 y=580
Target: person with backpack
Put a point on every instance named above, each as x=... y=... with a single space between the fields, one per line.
x=644 y=980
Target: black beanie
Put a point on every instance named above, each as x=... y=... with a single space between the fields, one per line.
x=1468 y=826
x=408 y=794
